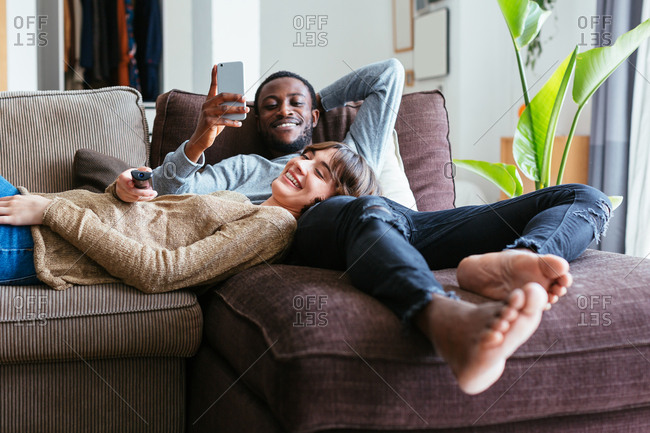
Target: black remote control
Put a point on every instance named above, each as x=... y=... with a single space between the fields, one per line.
x=142 y=179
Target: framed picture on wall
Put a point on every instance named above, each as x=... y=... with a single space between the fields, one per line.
x=402 y=25
x=431 y=53
x=422 y=6
x=409 y=77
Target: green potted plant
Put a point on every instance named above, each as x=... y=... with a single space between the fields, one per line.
x=533 y=139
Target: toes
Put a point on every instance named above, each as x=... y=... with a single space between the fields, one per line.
x=517 y=299
x=569 y=280
x=565 y=280
x=501 y=326
x=556 y=263
x=553 y=266
x=555 y=292
x=558 y=290
x=536 y=298
x=509 y=314
x=492 y=338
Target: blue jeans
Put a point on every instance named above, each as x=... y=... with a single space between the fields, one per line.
x=16 y=248
x=388 y=250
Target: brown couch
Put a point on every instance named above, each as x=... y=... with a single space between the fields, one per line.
x=283 y=348
x=299 y=349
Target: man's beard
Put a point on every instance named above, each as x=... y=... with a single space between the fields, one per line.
x=295 y=146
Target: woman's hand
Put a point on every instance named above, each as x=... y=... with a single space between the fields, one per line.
x=23 y=210
x=126 y=190
x=211 y=121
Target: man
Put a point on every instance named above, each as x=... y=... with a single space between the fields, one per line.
x=286 y=113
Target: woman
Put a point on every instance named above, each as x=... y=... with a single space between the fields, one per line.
x=172 y=241
x=515 y=251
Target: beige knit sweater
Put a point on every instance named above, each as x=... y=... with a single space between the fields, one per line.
x=165 y=244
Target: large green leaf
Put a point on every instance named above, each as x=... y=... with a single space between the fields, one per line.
x=514 y=12
x=524 y=19
x=505 y=176
x=616 y=201
x=533 y=139
x=595 y=65
x=535 y=19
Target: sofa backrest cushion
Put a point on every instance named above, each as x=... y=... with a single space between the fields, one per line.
x=41 y=131
x=422 y=126
x=422 y=129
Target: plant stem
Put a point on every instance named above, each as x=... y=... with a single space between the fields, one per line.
x=524 y=87
x=565 y=154
x=522 y=76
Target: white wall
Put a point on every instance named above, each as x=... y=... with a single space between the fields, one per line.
x=178 y=55
x=356 y=37
x=196 y=34
x=352 y=34
x=235 y=37
x=200 y=33
x=561 y=34
x=483 y=91
x=480 y=90
x=22 y=71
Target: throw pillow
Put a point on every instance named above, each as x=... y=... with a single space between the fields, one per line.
x=392 y=178
x=94 y=171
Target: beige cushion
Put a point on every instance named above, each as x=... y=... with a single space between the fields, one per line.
x=98 y=321
x=392 y=178
x=41 y=131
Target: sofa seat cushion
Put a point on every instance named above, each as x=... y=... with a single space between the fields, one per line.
x=324 y=355
x=41 y=131
x=88 y=322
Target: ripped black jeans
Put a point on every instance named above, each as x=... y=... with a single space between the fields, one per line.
x=388 y=250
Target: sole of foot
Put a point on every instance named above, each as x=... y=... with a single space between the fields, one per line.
x=476 y=340
x=496 y=275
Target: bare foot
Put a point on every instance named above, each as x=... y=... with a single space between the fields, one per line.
x=476 y=340
x=495 y=275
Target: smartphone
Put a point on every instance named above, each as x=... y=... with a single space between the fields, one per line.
x=230 y=79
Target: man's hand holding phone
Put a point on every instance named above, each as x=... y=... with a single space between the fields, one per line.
x=127 y=191
x=217 y=111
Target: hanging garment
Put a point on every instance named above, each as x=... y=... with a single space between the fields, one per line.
x=70 y=50
x=123 y=44
x=86 y=54
x=100 y=53
x=148 y=35
x=134 y=73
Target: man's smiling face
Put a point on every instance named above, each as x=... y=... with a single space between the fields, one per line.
x=285 y=116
